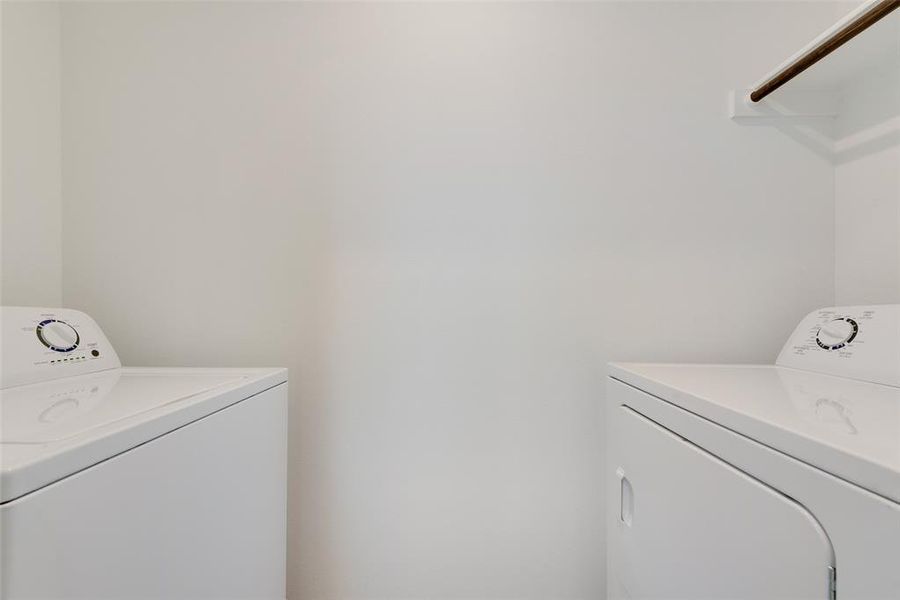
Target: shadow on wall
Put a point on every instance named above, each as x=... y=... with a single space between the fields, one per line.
x=871 y=122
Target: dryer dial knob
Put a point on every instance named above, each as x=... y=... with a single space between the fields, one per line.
x=59 y=336
x=837 y=333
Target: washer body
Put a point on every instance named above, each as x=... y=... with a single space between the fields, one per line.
x=761 y=481
x=136 y=482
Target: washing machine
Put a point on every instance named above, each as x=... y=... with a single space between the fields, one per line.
x=135 y=482
x=761 y=482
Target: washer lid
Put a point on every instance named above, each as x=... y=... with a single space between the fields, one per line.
x=53 y=429
x=846 y=427
x=60 y=410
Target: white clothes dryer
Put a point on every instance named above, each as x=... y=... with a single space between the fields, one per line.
x=761 y=482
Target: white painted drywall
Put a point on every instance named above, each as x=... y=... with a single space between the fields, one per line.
x=31 y=236
x=445 y=219
x=867 y=189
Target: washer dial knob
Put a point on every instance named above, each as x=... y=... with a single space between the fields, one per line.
x=57 y=335
x=837 y=333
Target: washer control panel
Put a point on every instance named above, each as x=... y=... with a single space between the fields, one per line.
x=41 y=344
x=860 y=342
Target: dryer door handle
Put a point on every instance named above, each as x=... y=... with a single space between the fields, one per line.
x=626 y=498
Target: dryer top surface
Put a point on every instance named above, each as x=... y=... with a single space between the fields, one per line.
x=844 y=426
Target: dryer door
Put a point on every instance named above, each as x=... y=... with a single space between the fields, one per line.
x=688 y=525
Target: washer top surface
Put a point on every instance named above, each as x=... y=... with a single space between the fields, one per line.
x=52 y=429
x=67 y=404
x=63 y=409
x=847 y=427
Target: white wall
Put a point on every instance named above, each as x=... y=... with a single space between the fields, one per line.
x=445 y=219
x=867 y=189
x=31 y=236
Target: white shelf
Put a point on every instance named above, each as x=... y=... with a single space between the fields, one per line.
x=786 y=104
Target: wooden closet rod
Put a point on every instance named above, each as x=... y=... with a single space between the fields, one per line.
x=841 y=36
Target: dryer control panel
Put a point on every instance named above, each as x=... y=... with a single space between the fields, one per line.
x=859 y=342
x=41 y=344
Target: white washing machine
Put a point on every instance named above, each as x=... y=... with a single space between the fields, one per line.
x=135 y=482
x=761 y=482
